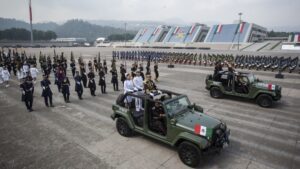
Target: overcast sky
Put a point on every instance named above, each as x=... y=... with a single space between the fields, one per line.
x=276 y=14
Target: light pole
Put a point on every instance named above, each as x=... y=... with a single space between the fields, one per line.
x=125 y=36
x=240 y=21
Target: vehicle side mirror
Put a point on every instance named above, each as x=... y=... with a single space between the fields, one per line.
x=173 y=121
x=198 y=108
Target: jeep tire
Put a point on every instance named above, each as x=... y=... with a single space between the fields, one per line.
x=189 y=154
x=264 y=100
x=123 y=127
x=215 y=92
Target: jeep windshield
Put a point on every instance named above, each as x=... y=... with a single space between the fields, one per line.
x=177 y=106
x=251 y=78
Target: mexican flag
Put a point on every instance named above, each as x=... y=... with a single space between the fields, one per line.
x=218 y=28
x=192 y=29
x=176 y=30
x=155 y=31
x=241 y=27
x=202 y=130
x=271 y=86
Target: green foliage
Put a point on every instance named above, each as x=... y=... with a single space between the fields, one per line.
x=23 y=34
x=120 y=37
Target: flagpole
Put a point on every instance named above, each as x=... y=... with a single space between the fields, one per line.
x=30 y=18
x=240 y=21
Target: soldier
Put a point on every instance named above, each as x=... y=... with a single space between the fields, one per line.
x=34 y=72
x=27 y=93
x=158 y=120
x=218 y=67
x=92 y=84
x=73 y=67
x=46 y=93
x=139 y=86
x=78 y=85
x=156 y=71
x=5 y=76
x=25 y=68
x=83 y=76
x=102 y=82
x=90 y=65
x=60 y=75
x=114 y=79
x=66 y=89
x=105 y=66
x=123 y=72
x=128 y=88
x=149 y=85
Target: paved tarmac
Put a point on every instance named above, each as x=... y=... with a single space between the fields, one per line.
x=82 y=135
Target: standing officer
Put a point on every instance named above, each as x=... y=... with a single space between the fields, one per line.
x=123 y=72
x=114 y=79
x=73 y=67
x=156 y=71
x=66 y=89
x=102 y=82
x=47 y=93
x=27 y=93
x=92 y=84
x=78 y=85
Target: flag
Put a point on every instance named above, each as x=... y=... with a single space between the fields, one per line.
x=176 y=30
x=202 y=130
x=155 y=31
x=192 y=29
x=241 y=27
x=218 y=28
x=271 y=86
x=298 y=37
x=144 y=31
x=30 y=11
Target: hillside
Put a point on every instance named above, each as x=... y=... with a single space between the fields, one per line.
x=72 y=28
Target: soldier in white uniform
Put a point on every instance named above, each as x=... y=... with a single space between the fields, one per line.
x=25 y=68
x=139 y=86
x=34 y=73
x=1 y=69
x=5 y=76
x=128 y=88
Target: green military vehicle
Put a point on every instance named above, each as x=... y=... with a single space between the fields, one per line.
x=243 y=85
x=178 y=123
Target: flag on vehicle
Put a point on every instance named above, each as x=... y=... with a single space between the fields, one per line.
x=202 y=130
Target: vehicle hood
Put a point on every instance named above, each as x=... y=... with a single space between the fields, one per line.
x=267 y=86
x=191 y=119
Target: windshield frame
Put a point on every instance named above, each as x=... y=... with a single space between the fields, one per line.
x=251 y=78
x=178 y=112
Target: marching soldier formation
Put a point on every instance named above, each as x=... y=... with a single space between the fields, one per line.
x=55 y=68
x=25 y=68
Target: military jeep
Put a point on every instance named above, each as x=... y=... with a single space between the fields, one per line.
x=183 y=125
x=243 y=85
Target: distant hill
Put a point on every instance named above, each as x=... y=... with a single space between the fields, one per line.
x=13 y=23
x=71 y=28
x=80 y=28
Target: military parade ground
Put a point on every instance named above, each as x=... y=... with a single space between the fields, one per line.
x=81 y=134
